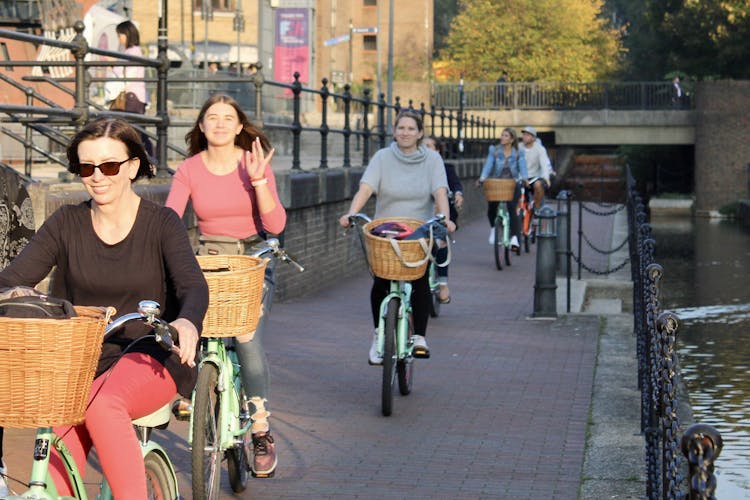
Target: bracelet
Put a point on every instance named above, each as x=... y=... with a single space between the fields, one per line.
x=259 y=182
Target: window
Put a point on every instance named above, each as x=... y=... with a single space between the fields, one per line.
x=5 y=55
x=370 y=42
x=370 y=3
x=217 y=5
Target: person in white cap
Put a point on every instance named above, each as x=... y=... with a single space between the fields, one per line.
x=538 y=163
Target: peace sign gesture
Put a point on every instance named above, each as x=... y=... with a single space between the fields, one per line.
x=256 y=161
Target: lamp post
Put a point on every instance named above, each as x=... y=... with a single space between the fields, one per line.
x=239 y=27
x=460 y=114
x=207 y=14
x=545 y=286
x=162 y=43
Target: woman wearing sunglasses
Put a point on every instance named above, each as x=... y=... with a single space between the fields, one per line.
x=115 y=250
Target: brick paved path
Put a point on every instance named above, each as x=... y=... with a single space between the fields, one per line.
x=499 y=411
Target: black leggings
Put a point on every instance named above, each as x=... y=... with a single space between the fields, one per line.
x=420 y=301
x=492 y=212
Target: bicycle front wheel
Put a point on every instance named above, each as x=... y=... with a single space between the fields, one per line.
x=160 y=483
x=434 y=292
x=207 y=453
x=405 y=366
x=238 y=460
x=389 y=355
x=498 y=246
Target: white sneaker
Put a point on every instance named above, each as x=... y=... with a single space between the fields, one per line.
x=4 y=491
x=514 y=243
x=420 y=347
x=491 y=239
x=375 y=358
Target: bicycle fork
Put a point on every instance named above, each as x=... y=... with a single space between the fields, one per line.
x=399 y=290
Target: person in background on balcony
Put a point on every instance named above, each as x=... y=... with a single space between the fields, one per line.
x=538 y=164
x=456 y=201
x=408 y=180
x=229 y=180
x=136 y=98
x=678 y=95
x=505 y=161
x=116 y=249
x=501 y=90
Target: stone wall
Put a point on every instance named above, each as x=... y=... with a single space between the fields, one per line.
x=722 y=151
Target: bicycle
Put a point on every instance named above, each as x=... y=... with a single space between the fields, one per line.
x=395 y=328
x=161 y=478
x=220 y=421
x=501 y=191
x=526 y=214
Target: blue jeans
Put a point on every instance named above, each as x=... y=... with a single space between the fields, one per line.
x=253 y=363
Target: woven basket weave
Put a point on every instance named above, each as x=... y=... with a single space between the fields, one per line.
x=235 y=291
x=383 y=260
x=499 y=189
x=47 y=366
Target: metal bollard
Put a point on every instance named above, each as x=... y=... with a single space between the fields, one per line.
x=563 y=223
x=545 y=287
x=702 y=445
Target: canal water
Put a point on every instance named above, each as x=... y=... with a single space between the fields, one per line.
x=707 y=283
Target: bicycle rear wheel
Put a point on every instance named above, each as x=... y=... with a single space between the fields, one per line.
x=498 y=246
x=389 y=355
x=206 y=454
x=405 y=366
x=160 y=483
x=238 y=459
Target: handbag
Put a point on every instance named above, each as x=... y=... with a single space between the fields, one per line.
x=120 y=102
x=34 y=306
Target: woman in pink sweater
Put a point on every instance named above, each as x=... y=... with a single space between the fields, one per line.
x=229 y=180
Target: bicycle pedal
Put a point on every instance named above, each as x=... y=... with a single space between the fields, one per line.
x=421 y=354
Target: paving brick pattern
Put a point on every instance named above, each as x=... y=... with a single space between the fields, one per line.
x=499 y=411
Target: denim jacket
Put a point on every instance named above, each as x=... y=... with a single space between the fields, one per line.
x=494 y=164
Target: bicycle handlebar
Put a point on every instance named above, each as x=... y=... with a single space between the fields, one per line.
x=272 y=246
x=148 y=313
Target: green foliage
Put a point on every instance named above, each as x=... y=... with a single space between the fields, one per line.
x=705 y=38
x=534 y=40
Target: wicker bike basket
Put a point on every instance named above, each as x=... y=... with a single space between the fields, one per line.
x=235 y=291
x=499 y=189
x=47 y=367
x=386 y=263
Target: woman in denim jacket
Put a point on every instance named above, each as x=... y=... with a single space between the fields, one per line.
x=505 y=161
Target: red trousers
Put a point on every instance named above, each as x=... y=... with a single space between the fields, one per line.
x=137 y=385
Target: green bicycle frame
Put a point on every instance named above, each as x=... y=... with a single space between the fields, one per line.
x=228 y=383
x=402 y=291
x=41 y=485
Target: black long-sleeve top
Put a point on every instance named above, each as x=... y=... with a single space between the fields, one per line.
x=153 y=262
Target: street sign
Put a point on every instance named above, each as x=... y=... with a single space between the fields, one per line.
x=372 y=29
x=334 y=41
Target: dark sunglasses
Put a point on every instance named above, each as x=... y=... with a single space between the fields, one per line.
x=107 y=168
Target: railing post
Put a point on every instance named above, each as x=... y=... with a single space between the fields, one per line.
x=296 y=125
x=366 y=125
x=347 y=125
x=324 y=124
x=81 y=90
x=161 y=93
x=382 y=106
x=702 y=445
x=667 y=325
x=258 y=81
x=28 y=139
x=563 y=220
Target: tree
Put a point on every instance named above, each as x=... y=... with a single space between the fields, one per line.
x=534 y=40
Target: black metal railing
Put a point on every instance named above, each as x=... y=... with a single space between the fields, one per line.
x=656 y=333
x=363 y=119
x=559 y=95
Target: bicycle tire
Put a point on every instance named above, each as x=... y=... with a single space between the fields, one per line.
x=507 y=256
x=238 y=457
x=206 y=454
x=498 y=243
x=389 y=355
x=434 y=292
x=160 y=483
x=405 y=366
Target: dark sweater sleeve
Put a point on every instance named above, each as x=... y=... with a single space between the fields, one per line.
x=454 y=183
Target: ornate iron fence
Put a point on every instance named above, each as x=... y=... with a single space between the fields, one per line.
x=656 y=332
